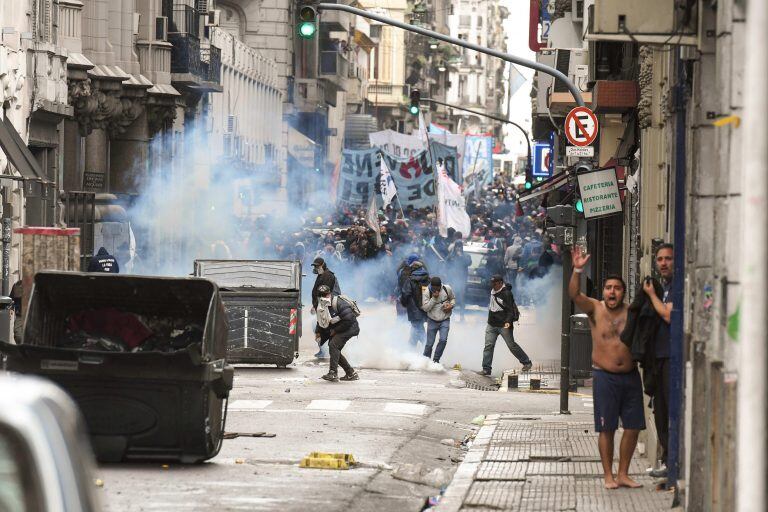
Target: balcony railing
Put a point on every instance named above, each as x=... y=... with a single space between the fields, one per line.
x=183 y=19
x=387 y=89
x=211 y=59
x=185 y=56
x=333 y=63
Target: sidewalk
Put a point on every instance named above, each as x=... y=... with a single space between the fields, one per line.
x=543 y=463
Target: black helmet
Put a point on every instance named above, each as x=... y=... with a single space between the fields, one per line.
x=323 y=290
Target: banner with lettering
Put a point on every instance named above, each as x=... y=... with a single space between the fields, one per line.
x=478 y=162
x=360 y=174
x=414 y=179
x=357 y=177
x=447 y=146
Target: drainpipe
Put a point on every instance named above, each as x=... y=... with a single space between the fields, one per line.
x=752 y=443
x=678 y=285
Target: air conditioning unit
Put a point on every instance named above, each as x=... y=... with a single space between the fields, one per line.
x=650 y=21
x=575 y=64
x=161 y=28
x=212 y=18
x=231 y=124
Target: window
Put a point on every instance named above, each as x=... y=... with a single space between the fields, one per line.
x=375 y=31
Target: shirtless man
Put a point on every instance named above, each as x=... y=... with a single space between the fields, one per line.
x=617 y=388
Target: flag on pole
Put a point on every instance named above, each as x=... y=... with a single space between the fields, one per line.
x=452 y=208
x=386 y=184
x=372 y=219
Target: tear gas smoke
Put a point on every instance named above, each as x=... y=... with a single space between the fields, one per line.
x=196 y=205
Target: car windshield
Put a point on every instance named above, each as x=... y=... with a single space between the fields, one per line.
x=478 y=259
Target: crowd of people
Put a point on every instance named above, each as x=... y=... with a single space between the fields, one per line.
x=511 y=231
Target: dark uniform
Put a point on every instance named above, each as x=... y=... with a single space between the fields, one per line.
x=104 y=262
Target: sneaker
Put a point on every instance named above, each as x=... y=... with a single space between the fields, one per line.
x=660 y=472
x=350 y=377
x=484 y=373
x=527 y=367
x=321 y=354
x=331 y=377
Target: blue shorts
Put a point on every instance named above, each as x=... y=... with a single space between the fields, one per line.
x=618 y=395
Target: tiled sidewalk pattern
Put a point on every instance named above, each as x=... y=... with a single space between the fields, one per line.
x=543 y=464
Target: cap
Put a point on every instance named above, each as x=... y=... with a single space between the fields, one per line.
x=412 y=258
x=436 y=282
x=323 y=289
x=496 y=278
x=319 y=262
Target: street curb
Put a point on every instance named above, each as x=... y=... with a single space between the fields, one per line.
x=457 y=490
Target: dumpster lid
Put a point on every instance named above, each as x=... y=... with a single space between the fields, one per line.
x=276 y=274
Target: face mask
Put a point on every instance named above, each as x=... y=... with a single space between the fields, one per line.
x=327 y=300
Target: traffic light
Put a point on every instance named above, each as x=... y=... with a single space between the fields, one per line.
x=561 y=215
x=579 y=206
x=415 y=108
x=307 y=23
x=528 y=177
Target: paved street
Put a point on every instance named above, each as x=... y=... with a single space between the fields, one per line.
x=388 y=418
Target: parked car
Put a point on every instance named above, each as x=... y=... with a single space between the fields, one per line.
x=478 y=280
x=46 y=461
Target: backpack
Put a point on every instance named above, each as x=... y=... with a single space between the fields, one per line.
x=515 y=309
x=417 y=292
x=352 y=304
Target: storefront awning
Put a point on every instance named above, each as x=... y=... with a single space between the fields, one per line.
x=548 y=185
x=19 y=154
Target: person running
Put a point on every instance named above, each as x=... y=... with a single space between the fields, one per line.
x=324 y=278
x=438 y=303
x=617 y=388
x=502 y=312
x=336 y=314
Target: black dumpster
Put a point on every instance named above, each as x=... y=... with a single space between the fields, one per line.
x=581 y=347
x=143 y=357
x=263 y=303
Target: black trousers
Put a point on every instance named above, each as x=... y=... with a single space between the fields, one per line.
x=661 y=405
x=336 y=345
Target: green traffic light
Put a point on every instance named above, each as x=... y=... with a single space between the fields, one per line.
x=414 y=109
x=528 y=185
x=307 y=29
x=579 y=206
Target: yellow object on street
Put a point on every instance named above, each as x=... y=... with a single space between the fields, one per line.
x=323 y=460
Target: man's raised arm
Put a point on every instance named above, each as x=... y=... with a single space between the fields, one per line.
x=584 y=303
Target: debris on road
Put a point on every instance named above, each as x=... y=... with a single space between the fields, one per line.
x=322 y=460
x=420 y=474
x=450 y=442
x=235 y=435
x=98 y=482
x=239 y=461
x=478 y=420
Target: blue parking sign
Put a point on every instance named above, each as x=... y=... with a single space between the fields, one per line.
x=543 y=162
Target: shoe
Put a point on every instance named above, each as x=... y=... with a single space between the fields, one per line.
x=350 y=377
x=321 y=355
x=331 y=377
x=484 y=373
x=527 y=367
x=660 y=472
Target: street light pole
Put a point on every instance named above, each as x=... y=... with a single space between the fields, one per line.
x=490 y=116
x=460 y=42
